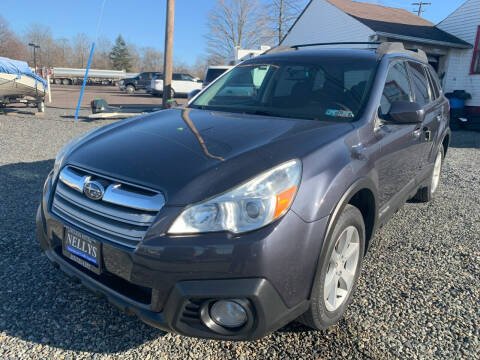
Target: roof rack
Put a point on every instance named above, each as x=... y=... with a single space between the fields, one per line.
x=397 y=47
x=383 y=48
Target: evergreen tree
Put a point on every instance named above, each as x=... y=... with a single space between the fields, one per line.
x=119 y=55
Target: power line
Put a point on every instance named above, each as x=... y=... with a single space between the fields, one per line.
x=420 y=4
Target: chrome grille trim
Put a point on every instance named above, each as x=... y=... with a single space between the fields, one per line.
x=123 y=216
x=114 y=194
x=68 y=177
x=131 y=217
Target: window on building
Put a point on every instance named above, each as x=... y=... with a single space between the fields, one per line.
x=475 y=68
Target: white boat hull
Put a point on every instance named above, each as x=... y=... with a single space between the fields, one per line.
x=12 y=86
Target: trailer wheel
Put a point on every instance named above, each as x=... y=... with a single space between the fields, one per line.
x=66 y=82
x=41 y=106
x=57 y=81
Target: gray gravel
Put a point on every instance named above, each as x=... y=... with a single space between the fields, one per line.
x=418 y=296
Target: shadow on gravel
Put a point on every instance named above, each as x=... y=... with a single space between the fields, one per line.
x=39 y=303
x=465 y=139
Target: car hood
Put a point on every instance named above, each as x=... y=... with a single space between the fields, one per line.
x=191 y=154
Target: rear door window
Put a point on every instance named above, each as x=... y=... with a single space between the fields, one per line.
x=419 y=83
x=397 y=87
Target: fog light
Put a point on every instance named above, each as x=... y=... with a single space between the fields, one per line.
x=228 y=313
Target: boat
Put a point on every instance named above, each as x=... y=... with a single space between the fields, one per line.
x=19 y=84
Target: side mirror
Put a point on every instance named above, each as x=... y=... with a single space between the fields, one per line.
x=405 y=112
x=193 y=93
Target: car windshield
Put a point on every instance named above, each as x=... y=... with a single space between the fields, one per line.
x=331 y=89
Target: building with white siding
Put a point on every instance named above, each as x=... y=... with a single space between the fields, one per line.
x=462 y=67
x=326 y=21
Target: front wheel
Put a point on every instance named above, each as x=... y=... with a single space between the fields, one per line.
x=130 y=89
x=338 y=270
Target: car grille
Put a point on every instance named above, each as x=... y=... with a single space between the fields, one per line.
x=122 y=216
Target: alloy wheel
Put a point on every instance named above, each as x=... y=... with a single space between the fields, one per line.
x=342 y=268
x=436 y=173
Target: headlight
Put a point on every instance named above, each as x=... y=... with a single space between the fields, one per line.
x=249 y=206
x=66 y=150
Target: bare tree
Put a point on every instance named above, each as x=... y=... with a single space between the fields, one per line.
x=81 y=50
x=135 y=59
x=101 y=56
x=233 y=23
x=151 y=59
x=282 y=14
x=41 y=35
x=63 y=56
x=10 y=45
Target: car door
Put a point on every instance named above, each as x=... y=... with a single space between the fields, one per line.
x=190 y=83
x=433 y=113
x=398 y=160
x=178 y=84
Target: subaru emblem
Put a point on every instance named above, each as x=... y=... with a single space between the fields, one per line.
x=93 y=189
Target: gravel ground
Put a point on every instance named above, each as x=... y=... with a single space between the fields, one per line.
x=418 y=296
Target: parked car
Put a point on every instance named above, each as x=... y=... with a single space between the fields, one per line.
x=140 y=82
x=182 y=84
x=214 y=72
x=245 y=210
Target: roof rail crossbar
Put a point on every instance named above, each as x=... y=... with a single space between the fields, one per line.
x=397 y=47
x=336 y=43
x=383 y=48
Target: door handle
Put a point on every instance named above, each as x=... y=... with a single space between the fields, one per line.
x=428 y=134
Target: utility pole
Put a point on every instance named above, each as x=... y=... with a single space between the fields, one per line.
x=280 y=15
x=35 y=47
x=167 y=62
x=420 y=4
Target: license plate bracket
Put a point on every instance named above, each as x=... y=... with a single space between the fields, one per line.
x=82 y=249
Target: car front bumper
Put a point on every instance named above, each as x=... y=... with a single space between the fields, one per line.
x=165 y=280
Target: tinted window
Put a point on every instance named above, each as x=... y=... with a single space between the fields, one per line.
x=187 y=77
x=397 y=87
x=419 y=83
x=176 y=76
x=212 y=74
x=329 y=89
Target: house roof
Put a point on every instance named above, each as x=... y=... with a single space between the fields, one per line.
x=379 y=13
x=420 y=33
x=395 y=23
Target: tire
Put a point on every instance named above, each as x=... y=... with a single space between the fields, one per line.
x=327 y=307
x=41 y=107
x=172 y=94
x=426 y=194
x=66 y=82
x=130 y=89
x=57 y=81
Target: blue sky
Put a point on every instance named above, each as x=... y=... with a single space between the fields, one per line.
x=143 y=21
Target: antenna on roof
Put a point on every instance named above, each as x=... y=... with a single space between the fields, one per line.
x=420 y=4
